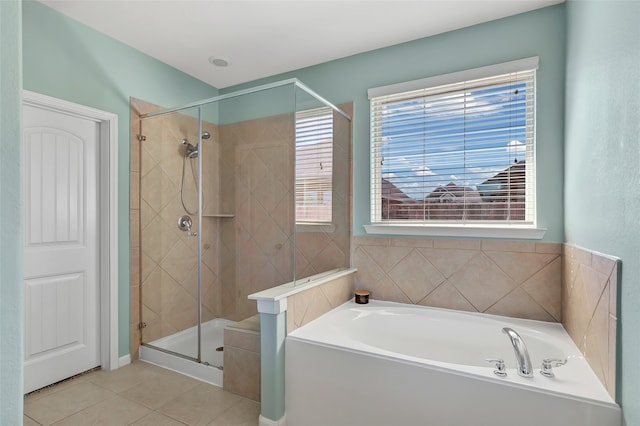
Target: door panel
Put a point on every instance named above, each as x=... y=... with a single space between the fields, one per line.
x=55 y=166
x=54 y=313
x=61 y=246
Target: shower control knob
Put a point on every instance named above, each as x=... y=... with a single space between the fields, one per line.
x=184 y=223
x=500 y=370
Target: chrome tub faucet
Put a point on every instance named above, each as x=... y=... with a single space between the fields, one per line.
x=522 y=355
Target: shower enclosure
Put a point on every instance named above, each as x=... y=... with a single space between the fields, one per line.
x=237 y=194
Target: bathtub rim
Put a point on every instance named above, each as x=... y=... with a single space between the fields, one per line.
x=512 y=380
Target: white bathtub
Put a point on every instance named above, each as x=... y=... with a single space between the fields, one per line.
x=391 y=364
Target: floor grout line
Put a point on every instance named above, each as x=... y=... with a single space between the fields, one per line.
x=112 y=385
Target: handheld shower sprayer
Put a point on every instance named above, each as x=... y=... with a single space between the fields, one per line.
x=192 y=151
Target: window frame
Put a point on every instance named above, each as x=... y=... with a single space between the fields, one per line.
x=493 y=229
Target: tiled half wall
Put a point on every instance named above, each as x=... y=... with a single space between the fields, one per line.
x=542 y=281
x=308 y=305
x=589 y=308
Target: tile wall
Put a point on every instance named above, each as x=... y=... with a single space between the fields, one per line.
x=517 y=279
x=257 y=186
x=242 y=358
x=310 y=304
x=589 y=308
x=256 y=249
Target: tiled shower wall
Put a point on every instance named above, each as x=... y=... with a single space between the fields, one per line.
x=256 y=249
x=257 y=186
x=542 y=281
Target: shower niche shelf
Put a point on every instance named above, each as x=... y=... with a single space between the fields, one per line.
x=222 y=215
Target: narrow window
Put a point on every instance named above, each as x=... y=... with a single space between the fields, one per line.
x=314 y=165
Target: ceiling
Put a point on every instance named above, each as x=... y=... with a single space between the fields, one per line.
x=261 y=38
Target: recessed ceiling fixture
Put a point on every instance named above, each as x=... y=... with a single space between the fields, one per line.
x=218 y=62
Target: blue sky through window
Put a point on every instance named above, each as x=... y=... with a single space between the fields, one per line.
x=464 y=137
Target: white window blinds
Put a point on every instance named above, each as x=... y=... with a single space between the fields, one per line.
x=314 y=165
x=455 y=153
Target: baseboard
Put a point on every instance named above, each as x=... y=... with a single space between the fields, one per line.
x=263 y=421
x=124 y=360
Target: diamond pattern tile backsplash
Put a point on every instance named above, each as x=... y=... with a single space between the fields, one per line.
x=515 y=279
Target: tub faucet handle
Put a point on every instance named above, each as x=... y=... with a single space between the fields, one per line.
x=549 y=363
x=499 y=363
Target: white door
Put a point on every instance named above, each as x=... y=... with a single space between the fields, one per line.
x=61 y=277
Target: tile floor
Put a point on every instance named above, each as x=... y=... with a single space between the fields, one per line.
x=138 y=394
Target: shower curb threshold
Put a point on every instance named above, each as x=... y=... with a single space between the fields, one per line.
x=204 y=373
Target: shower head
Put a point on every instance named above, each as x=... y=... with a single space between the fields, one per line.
x=192 y=151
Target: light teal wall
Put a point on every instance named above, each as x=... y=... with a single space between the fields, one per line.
x=264 y=103
x=67 y=60
x=538 y=33
x=10 y=214
x=602 y=158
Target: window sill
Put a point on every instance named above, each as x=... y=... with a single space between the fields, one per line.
x=305 y=227
x=457 y=231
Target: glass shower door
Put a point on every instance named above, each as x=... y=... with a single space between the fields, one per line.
x=169 y=228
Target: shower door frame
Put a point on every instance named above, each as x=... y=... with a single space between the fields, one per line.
x=198 y=234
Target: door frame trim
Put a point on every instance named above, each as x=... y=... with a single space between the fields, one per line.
x=108 y=226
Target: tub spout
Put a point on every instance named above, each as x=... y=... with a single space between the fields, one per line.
x=522 y=355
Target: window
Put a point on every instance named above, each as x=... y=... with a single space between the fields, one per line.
x=456 y=150
x=314 y=165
